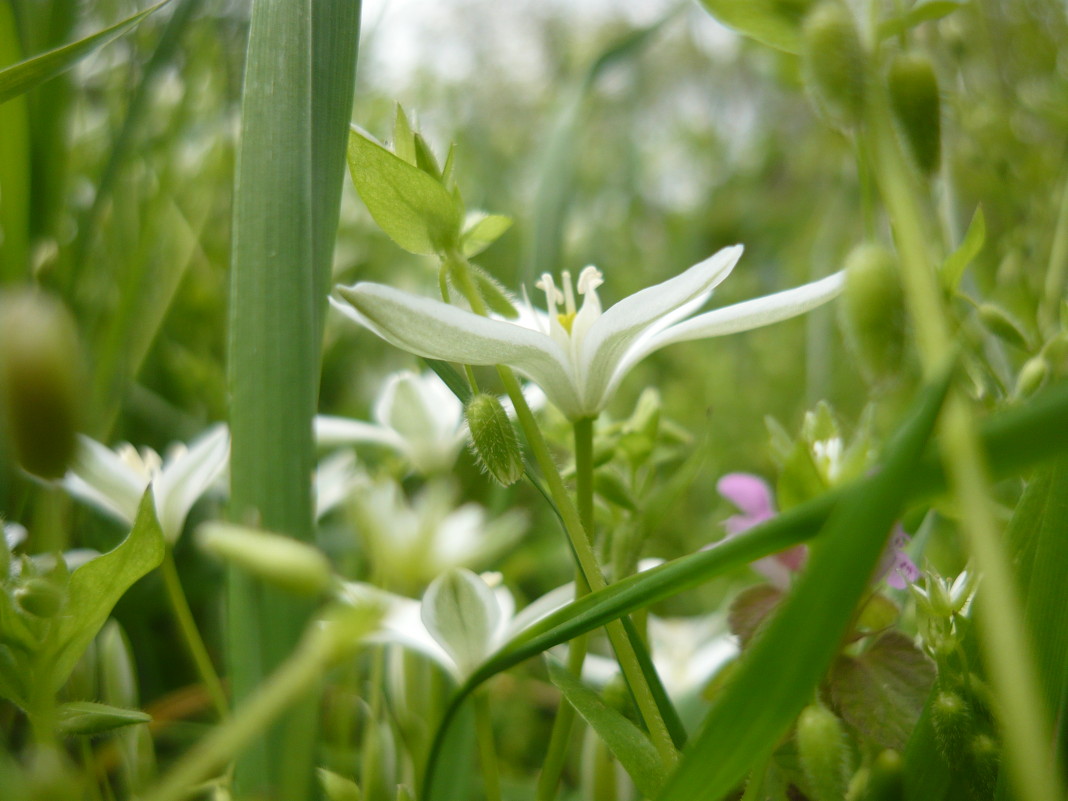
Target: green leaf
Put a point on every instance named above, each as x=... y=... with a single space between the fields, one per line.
x=882 y=692
x=776 y=676
x=625 y=740
x=776 y=23
x=95 y=588
x=87 y=717
x=919 y=13
x=25 y=75
x=482 y=230
x=412 y=207
x=957 y=261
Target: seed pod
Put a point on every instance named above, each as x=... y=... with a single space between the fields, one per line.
x=872 y=311
x=40 y=381
x=822 y=749
x=952 y=719
x=833 y=60
x=493 y=439
x=915 y=101
x=886 y=780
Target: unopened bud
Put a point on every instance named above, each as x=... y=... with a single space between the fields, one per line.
x=833 y=61
x=872 y=311
x=822 y=749
x=40 y=381
x=282 y=561
x=886 y=781
x=337 y=787
x=951 y=717
x=915 y=101
x=493 y=439
x=87 y=717
x=1032 y=376
x=1003 y=325
x=40 y=597
x=986 y=757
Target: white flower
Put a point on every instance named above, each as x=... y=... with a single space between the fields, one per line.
x=577 y=355
x=415 y=415
x=115 y=481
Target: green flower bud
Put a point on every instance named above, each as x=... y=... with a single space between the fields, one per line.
x=337 y=787
x=833 y=60
x=985 y=756
x=287 y=563
x=872 y=311
x=493 y=439
x=1003 y=325
x=886 y=780
x=40 y=597
x=40 y=381
x=87 y=717
x=822 y=748
x=1032 y=376
x=915 y=101
x=951 y=716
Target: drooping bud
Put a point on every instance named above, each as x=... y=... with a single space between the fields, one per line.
x=88 y=718
x=951 y=717
x=915 y=101
x=493 y=439
x=1002 y=324
x=872 y=311
x=1032 y=376
x=822 y=748
x=287 y=563
x=40 y=381
x=834 y=62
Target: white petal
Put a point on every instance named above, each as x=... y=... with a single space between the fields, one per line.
x=334 y=432
x=739 y=317
x=184 y=480
x=653 y=308
x=436 y=330
x=99 y=477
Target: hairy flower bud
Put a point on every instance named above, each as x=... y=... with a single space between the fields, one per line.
x=872 y=311
x=493 y=439
x=915 y=101
x=1032 y=376
x=822 y=749
x=834 y=61
x=886 y=779
x=40 y=381
x=952 y=719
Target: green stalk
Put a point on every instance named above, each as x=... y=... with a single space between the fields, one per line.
x=560 y=739
x=487 y=754
x=1027 y=731
x=576 y=532
x=183 y=616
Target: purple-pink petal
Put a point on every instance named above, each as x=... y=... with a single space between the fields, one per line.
x=751 y=494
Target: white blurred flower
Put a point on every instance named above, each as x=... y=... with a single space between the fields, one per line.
x=115 y=480
x=411 y=542
x=415 y=415
x=486 y=606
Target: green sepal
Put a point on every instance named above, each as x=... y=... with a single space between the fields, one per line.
x=482 y=230
x=88 y=718
x=953 y=267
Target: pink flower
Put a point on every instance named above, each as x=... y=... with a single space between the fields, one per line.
x=752 y=495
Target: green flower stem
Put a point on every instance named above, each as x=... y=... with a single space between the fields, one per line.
x=198 y=652
x=1027 y=732
x=371 y=753
x=487 y=754
x=560 y=739
x=576 y=532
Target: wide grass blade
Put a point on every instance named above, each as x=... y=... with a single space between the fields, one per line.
x=297 y=100
x=27 y=74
